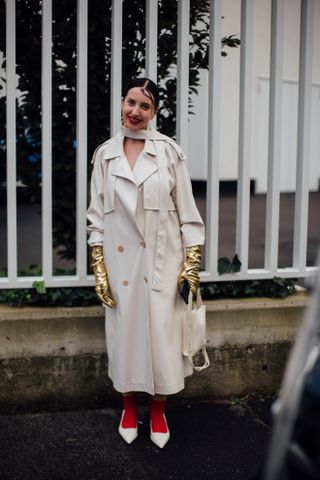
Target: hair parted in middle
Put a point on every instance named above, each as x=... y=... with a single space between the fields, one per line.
x=147 y=87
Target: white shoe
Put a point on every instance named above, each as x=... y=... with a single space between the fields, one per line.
x=128 y=434
x=158 y=438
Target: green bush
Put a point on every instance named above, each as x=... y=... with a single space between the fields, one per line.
x=83 y=296
x=52 y=297
x=274 y=287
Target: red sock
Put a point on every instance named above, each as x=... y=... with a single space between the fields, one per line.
x=130 y=411
x=157 y=419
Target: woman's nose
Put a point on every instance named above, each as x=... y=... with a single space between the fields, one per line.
x=135 y=110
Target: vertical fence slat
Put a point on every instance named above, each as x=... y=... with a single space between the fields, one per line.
x=116 y=66
x=183 y=73
x=274 y=147
x=152 y=44
x=243 y=189
x=11 y=139
x=47 y=139
x=212 y=200
x=151 y=39
x=304 y=128
x=82 y=104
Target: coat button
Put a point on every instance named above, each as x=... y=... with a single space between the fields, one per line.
x=120 y=248
x=143 y=244
x=125 y=283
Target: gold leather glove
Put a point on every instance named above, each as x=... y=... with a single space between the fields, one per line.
x=101 y=276
x=190 y=272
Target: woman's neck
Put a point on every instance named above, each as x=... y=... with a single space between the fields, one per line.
x=132 y=148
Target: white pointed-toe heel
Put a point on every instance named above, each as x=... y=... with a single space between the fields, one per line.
x=128 y=434
x=158 y=438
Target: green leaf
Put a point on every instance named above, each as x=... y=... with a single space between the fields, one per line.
x=39 y=286
x=236 y=264
x=223 y=265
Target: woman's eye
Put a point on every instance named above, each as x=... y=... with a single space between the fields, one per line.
x=130 y=101
x=145 y=106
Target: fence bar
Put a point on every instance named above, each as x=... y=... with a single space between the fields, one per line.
x=274 y=147
x=46 y=139
x=304 y=128
x=151 y=39
x=82 y=84
x=183 y=73
x=212 y=200
x=116 y=66
x=11 y=139
x=270 y=269
x=243 y=192
x=75 y=281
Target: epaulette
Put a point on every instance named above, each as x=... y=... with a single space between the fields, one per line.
x=177 y=148
x=96 y=150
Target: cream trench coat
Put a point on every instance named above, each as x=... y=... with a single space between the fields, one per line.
x=144 y=218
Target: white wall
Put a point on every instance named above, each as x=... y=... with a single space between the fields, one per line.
x=260 y=75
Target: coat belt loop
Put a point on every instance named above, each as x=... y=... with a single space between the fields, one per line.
x=161 y=242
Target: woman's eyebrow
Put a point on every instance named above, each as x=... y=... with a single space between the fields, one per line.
x=144 y=104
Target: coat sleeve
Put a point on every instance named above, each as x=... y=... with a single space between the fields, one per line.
x=191 y=224
x=95 y=217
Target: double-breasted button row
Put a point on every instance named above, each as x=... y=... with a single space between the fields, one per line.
x=120 y=248
x=125 y=283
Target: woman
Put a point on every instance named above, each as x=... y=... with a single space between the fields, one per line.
x=145 y=232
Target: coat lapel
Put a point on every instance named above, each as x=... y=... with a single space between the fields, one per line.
x=113 y=151
x=146 y=165
x=121 y=168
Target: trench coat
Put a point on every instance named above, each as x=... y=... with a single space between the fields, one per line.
x=144 y=218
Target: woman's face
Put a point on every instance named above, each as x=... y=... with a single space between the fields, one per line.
x=137 y=109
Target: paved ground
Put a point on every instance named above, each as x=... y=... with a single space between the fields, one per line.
x=213 y=440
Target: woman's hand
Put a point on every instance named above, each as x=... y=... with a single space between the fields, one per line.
x=190 y=272
x=101 y=276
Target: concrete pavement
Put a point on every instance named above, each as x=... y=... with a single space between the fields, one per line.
x=212 y=440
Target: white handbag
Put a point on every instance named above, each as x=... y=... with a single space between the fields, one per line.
x=194 y=331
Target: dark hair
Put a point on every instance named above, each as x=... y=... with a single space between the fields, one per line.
x=148 y=88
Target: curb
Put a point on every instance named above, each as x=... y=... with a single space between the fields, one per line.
x=57 y=356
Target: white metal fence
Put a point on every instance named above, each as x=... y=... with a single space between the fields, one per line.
x=299 y=268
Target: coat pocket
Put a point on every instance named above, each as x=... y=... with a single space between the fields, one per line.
x=109 y=193
x=151 y=194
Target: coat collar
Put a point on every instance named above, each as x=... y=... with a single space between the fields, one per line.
x=146 y=164
x=113 y=148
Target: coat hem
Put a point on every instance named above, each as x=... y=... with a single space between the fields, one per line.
x=143 y=387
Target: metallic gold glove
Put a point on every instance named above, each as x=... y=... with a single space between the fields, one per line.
x=101 y=276
x=190 y=272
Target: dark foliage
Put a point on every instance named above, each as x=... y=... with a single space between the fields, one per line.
x=64 y=61
x=83 y=296
x=274 y=287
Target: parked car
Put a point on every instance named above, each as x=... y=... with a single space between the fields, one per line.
x=294 y=450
